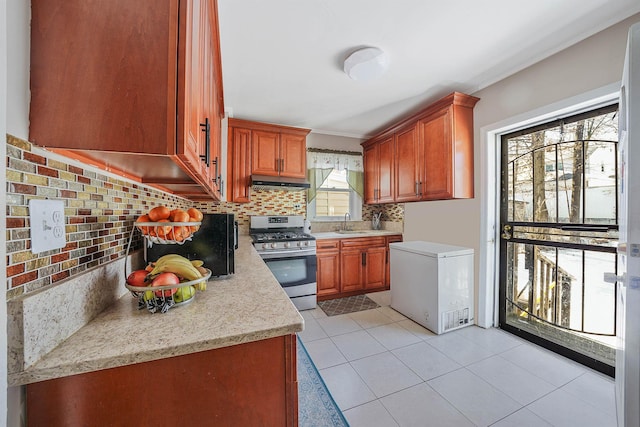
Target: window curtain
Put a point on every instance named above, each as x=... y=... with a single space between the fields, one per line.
x=321 y=163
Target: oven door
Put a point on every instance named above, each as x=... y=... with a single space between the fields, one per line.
x=293 y=270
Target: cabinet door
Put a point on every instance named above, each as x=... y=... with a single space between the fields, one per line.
x=293 y=155
x=406 y=164
x=386 y=171
x=211 y=112
x=435 y=134
x=265 y=152
x=328 y=272
x=191 y=144
x=239 y=173
x=351 y=269
x=371 y=173
x=375 y=268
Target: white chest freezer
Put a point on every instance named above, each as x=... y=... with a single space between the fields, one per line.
x=432 y=284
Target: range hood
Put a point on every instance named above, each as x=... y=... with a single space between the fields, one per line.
x=263 y=182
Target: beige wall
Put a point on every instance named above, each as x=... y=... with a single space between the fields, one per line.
x=586 y=66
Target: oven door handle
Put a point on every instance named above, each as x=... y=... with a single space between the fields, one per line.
x=287 y=254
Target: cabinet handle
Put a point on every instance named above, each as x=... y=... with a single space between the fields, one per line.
x=281 y=165
x=216 y=177
x=364 y=258
x=206 y=128
x=417 y=191
x=420 y=188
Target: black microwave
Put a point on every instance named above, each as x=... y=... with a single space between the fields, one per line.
x=214 y=243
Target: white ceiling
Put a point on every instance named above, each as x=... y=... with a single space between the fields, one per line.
x=282 y=59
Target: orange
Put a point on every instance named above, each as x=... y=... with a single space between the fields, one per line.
x=143 y=218
x=178 y=215
x=195 y=213
x=193 y=228
x=158 y=213
x=180 y=233
x=163 y=230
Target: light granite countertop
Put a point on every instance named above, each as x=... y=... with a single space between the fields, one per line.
x=248 y=306
x=354 y=234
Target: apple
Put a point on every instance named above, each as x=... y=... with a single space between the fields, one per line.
x=137 y=278
x=185 y=293
x=166 y=279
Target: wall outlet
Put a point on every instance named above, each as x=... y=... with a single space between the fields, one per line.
x=47 y=225
x=297 y=206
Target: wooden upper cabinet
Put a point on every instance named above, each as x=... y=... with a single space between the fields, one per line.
x=371 y=165
x=263 y=149
x=194 y=91
x=446 y=152
x=134 y=96
x=433 y=153
x=265 y=153
x=378 y=159
x=277 y=153
x=386 y=178
x=293 y=151
x=406 y=164
x=239 y=170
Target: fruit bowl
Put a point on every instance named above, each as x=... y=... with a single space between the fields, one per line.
x=168 y=233
x=162 y=298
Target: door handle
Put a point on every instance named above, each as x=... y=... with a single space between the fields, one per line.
x=506 y=232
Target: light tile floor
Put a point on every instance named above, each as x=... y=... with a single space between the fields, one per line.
x=385 y=370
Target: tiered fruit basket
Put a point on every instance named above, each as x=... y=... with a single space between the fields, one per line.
x=172 y=279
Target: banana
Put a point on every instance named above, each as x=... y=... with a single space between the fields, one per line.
x=180 y=266
x=197 y=262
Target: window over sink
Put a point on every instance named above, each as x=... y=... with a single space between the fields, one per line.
x=336 y=185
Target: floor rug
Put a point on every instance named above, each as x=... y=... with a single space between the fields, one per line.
x=316 y=407
x=333 y=307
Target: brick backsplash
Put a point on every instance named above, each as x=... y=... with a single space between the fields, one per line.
x=100 y=209
x=263 y=202
x=391 y=212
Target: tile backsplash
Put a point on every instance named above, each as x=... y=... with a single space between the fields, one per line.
x=100 y=209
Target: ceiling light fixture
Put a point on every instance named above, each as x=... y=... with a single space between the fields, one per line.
x=366 y=64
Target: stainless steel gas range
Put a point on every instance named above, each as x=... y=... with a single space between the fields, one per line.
x=290 y=254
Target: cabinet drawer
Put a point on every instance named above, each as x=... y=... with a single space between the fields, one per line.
x=394 y=238
x=327 y=245
x=362 y=241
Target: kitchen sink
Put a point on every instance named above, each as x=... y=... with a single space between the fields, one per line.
x=353 y=231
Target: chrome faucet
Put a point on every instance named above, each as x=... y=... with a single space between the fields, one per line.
x=344 y=225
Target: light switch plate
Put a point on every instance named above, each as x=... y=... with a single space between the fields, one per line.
x=47 y=225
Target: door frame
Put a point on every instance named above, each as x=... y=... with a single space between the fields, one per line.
x=490 y=152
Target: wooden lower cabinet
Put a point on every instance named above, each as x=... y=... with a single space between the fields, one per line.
x=353 y=266
x=328 y=268
x=390 y=239
x=351 y=270
x=252 y=384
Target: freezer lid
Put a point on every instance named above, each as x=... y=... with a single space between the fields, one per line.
x=431 y=249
